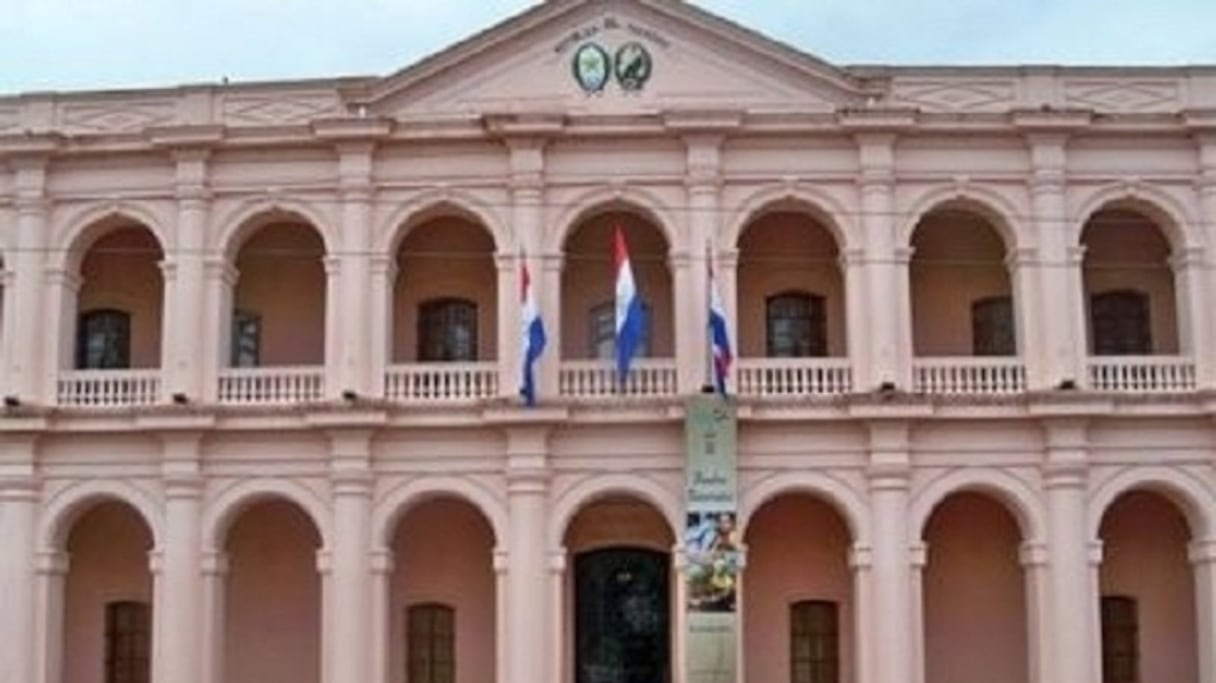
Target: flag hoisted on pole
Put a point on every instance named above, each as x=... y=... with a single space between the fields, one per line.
x=630 y=315
x=719 y=334
x=532 y=331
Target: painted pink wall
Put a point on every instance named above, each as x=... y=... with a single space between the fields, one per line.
x=445 y=257
x=1145 y=557
x=273 y=598
x=282 y=278
x=1126 y=250
x=787 y=251
x=121 y=270
x=589 y=279
x=974 y=594
x=797 y=549
x=108 y=550
x=959 y=258
x=443 y=552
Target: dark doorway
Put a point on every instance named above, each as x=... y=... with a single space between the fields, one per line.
x=622 y=616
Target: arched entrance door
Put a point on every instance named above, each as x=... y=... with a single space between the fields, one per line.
x=622 y=616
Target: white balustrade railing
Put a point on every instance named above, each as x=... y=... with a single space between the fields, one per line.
x=1141 y=373
x=794 y=376
x=598 y=379
x=969 y=375
x=108 y=388
x=271 y=385
x=441 y=382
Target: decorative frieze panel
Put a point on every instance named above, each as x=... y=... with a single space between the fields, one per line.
x=10 y=118
x=1124 y=96
x=956 y=96
x=117 y=117
x=272 y=110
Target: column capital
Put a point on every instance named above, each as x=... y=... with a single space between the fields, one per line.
x=64 y=278
x=156 y=561
x=853 y=256
x=1202 y=552
x=19 y=489
x=1096 y=553
x=217 y=268
x=557 y=560
x=1022 y=257
x=501 y=561
x=52 y=563
x=215 y=563
x=1032 y=554
x=1186 y=257
x=506 y=262
x=861 y=556
x=918 y=554
x=383 y=562
x=325 y=562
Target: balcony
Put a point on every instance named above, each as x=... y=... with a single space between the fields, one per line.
x=760 y=377
x=969 y=375
x=441 y=382
x=271 y=386
x=1141 y=374
x=108 y=388
x=595 y=379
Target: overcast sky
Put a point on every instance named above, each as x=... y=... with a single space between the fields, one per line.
x=75 y=44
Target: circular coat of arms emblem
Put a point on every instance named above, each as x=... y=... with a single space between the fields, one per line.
x=592 y=67
x=633 y=66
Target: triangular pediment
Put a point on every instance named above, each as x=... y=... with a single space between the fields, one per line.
x=696 y=60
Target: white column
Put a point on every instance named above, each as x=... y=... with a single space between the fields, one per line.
x=857 y=316
x=1024 y=280
x=860 y=560
x=334 y=376
x=1033 y=558
x=919 y=557
x=687 y=358
x=383 y=289
x=355 y=306
x=214 y=566
x=1207 y=218
x=892 y=630
x=179 y=589
x=502 y=566
x=509 y=336
x=62 y=289
x=186 y=340
x=220 y=283
x=325 y=571
x=550 y=301
x=527 y=618
x=703 y=219
x=887 y=316
x=1192 y=299
x=18 y=509
x=556 y=640
x=382 y=566
x=348 y=604
x=1070 y=621
x=26 y=338
x=1203 y=561
x=52 y=569
x=679 y=616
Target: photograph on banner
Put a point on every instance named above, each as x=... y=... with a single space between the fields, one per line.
x=711 y=543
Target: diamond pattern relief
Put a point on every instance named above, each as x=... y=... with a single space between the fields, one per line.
x=117 y=118
x=1123 y=96
x=952 y=96
x=277 y=111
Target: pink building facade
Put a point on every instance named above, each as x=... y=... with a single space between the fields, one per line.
x=259 y=353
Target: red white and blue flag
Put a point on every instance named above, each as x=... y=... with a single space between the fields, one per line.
x=719 y=336
x=630 y=314
x=532 y=330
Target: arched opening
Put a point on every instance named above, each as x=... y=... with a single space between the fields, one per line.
x=962 y=300
x=278 y=314
x=1147 y=593
x=618 y=625
x=589 y=281
x=442 y=595
x=107 y=618
x=272 y=596
x=1130 y=299
x=791 y=300
x=799 y=614
x=974 y=593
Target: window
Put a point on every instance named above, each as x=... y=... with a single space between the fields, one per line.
x=430 y=644
x=1119 y=321
x=992 y=327
x=814 y=642
x=103 y=340
x=246 y=339
x=1120 y=636
x=128 y=636
x=447 y=331
x=796 y=325
x=602 y=334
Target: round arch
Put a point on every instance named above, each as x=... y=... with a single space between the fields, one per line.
x=435 y=204
x=65 y=507
x=1170 y=216
x=630 y=199
x=83 y=228
x=999 y=212
x=1012 y=493
x=397 y=503
x=1185 y=490
x=839 y=495
x=820 y=205
x=238 y=224
x=593 y=488
x=224 y=509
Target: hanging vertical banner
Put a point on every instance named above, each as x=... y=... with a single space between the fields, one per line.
x=711 y=541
